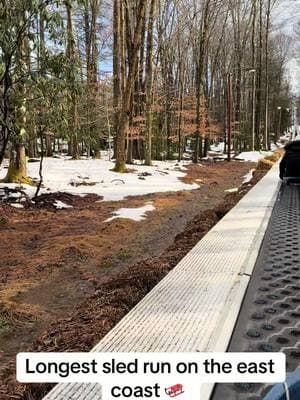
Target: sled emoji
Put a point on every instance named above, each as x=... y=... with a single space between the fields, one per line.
x=175 y=390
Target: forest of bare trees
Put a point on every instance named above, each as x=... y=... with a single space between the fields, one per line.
x=148 y=79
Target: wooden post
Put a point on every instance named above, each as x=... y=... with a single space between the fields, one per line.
x=229 y=115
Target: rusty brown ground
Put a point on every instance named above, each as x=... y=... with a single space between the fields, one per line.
x=52 y=262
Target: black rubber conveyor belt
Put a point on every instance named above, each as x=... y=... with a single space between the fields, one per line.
x=269 y=319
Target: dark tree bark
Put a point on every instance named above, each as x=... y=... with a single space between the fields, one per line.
x=120 y=165
x=149 y=84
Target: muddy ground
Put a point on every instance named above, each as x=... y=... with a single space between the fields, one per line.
x=67 y=277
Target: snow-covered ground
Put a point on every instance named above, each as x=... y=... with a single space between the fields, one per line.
x=218 y=148
x=95 y=176
x=136 y=214
x=60 y=205
x=253 y=155
x=246 y=156
x=233 y=190
x=248 y=177
x=89 y=176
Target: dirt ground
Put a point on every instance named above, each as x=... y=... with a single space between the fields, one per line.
x=66 y=277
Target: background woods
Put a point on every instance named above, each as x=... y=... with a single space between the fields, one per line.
x=148 y=79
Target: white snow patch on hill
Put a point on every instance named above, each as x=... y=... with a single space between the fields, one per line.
x=60 y=205
x=136 y=214
x=95 y=176
x=218 y=148
x=16 y=205
x=248 y=177
x=233 y=190
x=253 y=155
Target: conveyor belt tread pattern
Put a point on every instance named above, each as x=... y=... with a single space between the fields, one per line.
x=269 y=319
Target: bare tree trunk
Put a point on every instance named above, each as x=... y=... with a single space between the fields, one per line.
x=149 y=84
x=253 y=46
x=17 y=170
x=87 y=34
x=259 y=79
x=92 y=74
x=199 y=79
x=182 y=75
x=266 y=133
x=73 y=106
x=120 y=165
x=116 y=71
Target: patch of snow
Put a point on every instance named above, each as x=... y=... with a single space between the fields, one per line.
x=135 y=214
x=15 y=195
x=16 y=205
x=274 y=147
x=233 y=190
x=249 y=176
x=253 y=155
x=218 y=148
x=164 y=176
x=60 y=205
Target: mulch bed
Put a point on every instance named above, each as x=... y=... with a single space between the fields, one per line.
x=114 y=297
